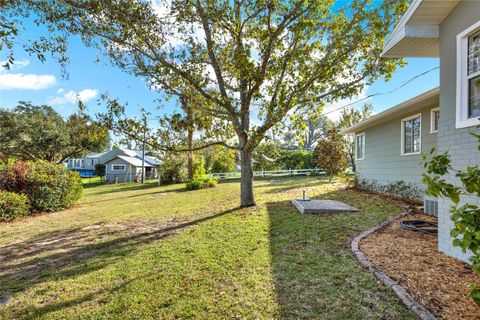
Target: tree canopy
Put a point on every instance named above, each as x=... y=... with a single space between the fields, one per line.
x=30 y=132
x=254 y=62
x=350 y=117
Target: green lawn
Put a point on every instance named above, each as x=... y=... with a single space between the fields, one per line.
x=147 y=252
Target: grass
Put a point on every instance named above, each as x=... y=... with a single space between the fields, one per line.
x=145 y=252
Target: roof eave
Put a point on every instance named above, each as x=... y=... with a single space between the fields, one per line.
x=384 y=115
x=417 y=32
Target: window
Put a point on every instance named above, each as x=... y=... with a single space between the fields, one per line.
x=411 y=135
x=468 y=77
x=118 y=167
x=360 y=146
x=434 y=117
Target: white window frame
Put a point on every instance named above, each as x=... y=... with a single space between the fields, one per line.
x=402 y=137
x=123 y=165
x=461 y=119
x=363 y=149
x=432 y=120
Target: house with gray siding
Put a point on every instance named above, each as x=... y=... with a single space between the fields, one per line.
x=127 y=168
x=449 y=30
x=389 y=145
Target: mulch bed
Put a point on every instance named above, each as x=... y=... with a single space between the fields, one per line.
x=437 y=281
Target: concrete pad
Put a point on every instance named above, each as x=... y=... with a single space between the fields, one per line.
x=322 y=206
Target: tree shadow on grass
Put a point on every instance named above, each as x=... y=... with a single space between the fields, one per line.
x=315 y=274
x=299 y=185
x=121 y=187
x=150 y=193
x=73 y=252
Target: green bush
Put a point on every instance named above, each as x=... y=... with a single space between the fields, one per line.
x=297 y=159
x=12 y=205
x=399 y=189
x=201 y=183
x=200 y=179
x=173 y=168
x=49 y=187
x=266 y=157
x=223 y=161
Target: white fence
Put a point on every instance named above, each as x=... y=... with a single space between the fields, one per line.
x=272 y=173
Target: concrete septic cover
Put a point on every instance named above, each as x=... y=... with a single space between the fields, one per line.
x=322 y=206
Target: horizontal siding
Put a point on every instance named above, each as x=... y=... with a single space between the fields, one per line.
x=460 y=144
x=383 y=160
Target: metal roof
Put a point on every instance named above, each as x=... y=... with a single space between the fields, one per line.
x=133 y=161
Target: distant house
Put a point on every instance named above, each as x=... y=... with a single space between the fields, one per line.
x=389 y=144
x=121 y=165
x=127 y=169
x=86 y=163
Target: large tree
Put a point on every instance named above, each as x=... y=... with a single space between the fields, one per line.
x=350 y=117
x=30 y=132
x=306 y=130
x=252 y=60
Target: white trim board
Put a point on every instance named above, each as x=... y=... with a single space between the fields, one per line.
x=402 y=142
x=461 y=112
x=432 y=120
x=363 y=149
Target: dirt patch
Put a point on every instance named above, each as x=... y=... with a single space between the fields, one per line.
x=437 y=281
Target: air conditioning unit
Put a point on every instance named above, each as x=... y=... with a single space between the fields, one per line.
x=430 y=207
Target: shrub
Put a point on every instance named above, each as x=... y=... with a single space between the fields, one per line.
x=201 y=183
x=266 y=156
x=49 y=186
x=399 y=189
x=173 y=168
x=297 y=159
x=200 y=179
x=12 y=205
x=223 y=161
x=331 y=155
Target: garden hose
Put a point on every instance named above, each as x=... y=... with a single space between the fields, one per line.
x=427 y=227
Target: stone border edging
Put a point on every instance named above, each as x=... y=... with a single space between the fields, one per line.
x=400 y=291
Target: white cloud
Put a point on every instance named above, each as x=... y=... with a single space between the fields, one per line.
x=73 y=97
x=60 y=90
x=17 y=64
x=9 y=81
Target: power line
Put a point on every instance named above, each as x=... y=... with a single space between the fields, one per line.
x=382 y=93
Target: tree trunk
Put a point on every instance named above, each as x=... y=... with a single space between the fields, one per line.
x=246 y=184
x=190 y=154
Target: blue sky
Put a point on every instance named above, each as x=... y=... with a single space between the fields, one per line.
x=42 y=83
